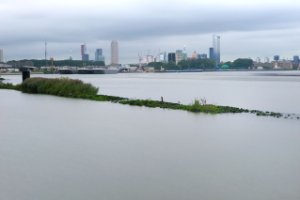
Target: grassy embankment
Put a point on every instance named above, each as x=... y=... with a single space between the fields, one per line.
x=77 y=89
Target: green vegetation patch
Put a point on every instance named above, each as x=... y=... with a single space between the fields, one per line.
x=114 y=99
x=153 y=104
x=8 y=86
x=60 y=87
x=195 y=107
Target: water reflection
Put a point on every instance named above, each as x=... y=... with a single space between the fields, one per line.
x=58 y=148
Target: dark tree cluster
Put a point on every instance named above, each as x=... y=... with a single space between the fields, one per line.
x=56 y=63
x=240 y=63
x=185 y=64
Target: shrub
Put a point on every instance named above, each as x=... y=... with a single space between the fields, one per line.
x=59 y=87
x=7 y=86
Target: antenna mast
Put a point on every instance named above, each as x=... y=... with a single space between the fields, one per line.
x=45 y=53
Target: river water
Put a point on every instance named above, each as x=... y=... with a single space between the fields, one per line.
x=57 y=148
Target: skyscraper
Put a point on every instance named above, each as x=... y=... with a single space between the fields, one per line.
x=99 y=55
x=296 y=62
x=84 y=55
x=179 y=56
x=216 y=49
x=172 y=57
x=296 y=59
x=1 y=55
x=163 y=57
x=194 y=55
x=82 y=50
x=114 y=53
x=211 y=53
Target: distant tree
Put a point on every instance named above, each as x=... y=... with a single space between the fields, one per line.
x=171 y=66
x=242 y=63
x=197 y=64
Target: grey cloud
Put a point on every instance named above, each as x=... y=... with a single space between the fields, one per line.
x=144 y=22
x=59 y=27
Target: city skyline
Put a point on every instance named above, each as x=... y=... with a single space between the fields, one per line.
x=261 y=30
x=214 y=53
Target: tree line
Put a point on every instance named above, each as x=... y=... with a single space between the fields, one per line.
x=56 y=63
x=204 y=64
x=185 y=64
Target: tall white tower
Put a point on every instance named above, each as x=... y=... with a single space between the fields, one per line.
x=114 y=53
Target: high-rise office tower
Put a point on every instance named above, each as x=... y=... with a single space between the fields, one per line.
x=172 y=57
x=114 y=53
x=194 y=55
x=296 y=59
x=1 y=55
x=184 y=54
x=84 y=55
x=211 y=53
x=296 y=62
x=216 y=49
x=82 y=50
x=99 y=52
x=163 y=57
x=179 y=56
x=99 y=55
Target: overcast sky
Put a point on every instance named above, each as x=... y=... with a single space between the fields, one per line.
x=248 y=28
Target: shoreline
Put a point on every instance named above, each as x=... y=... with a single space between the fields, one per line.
x=267 y=72
x=18 y=73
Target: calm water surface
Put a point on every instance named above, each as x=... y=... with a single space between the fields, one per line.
x=56 y=148
x=272 y=91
